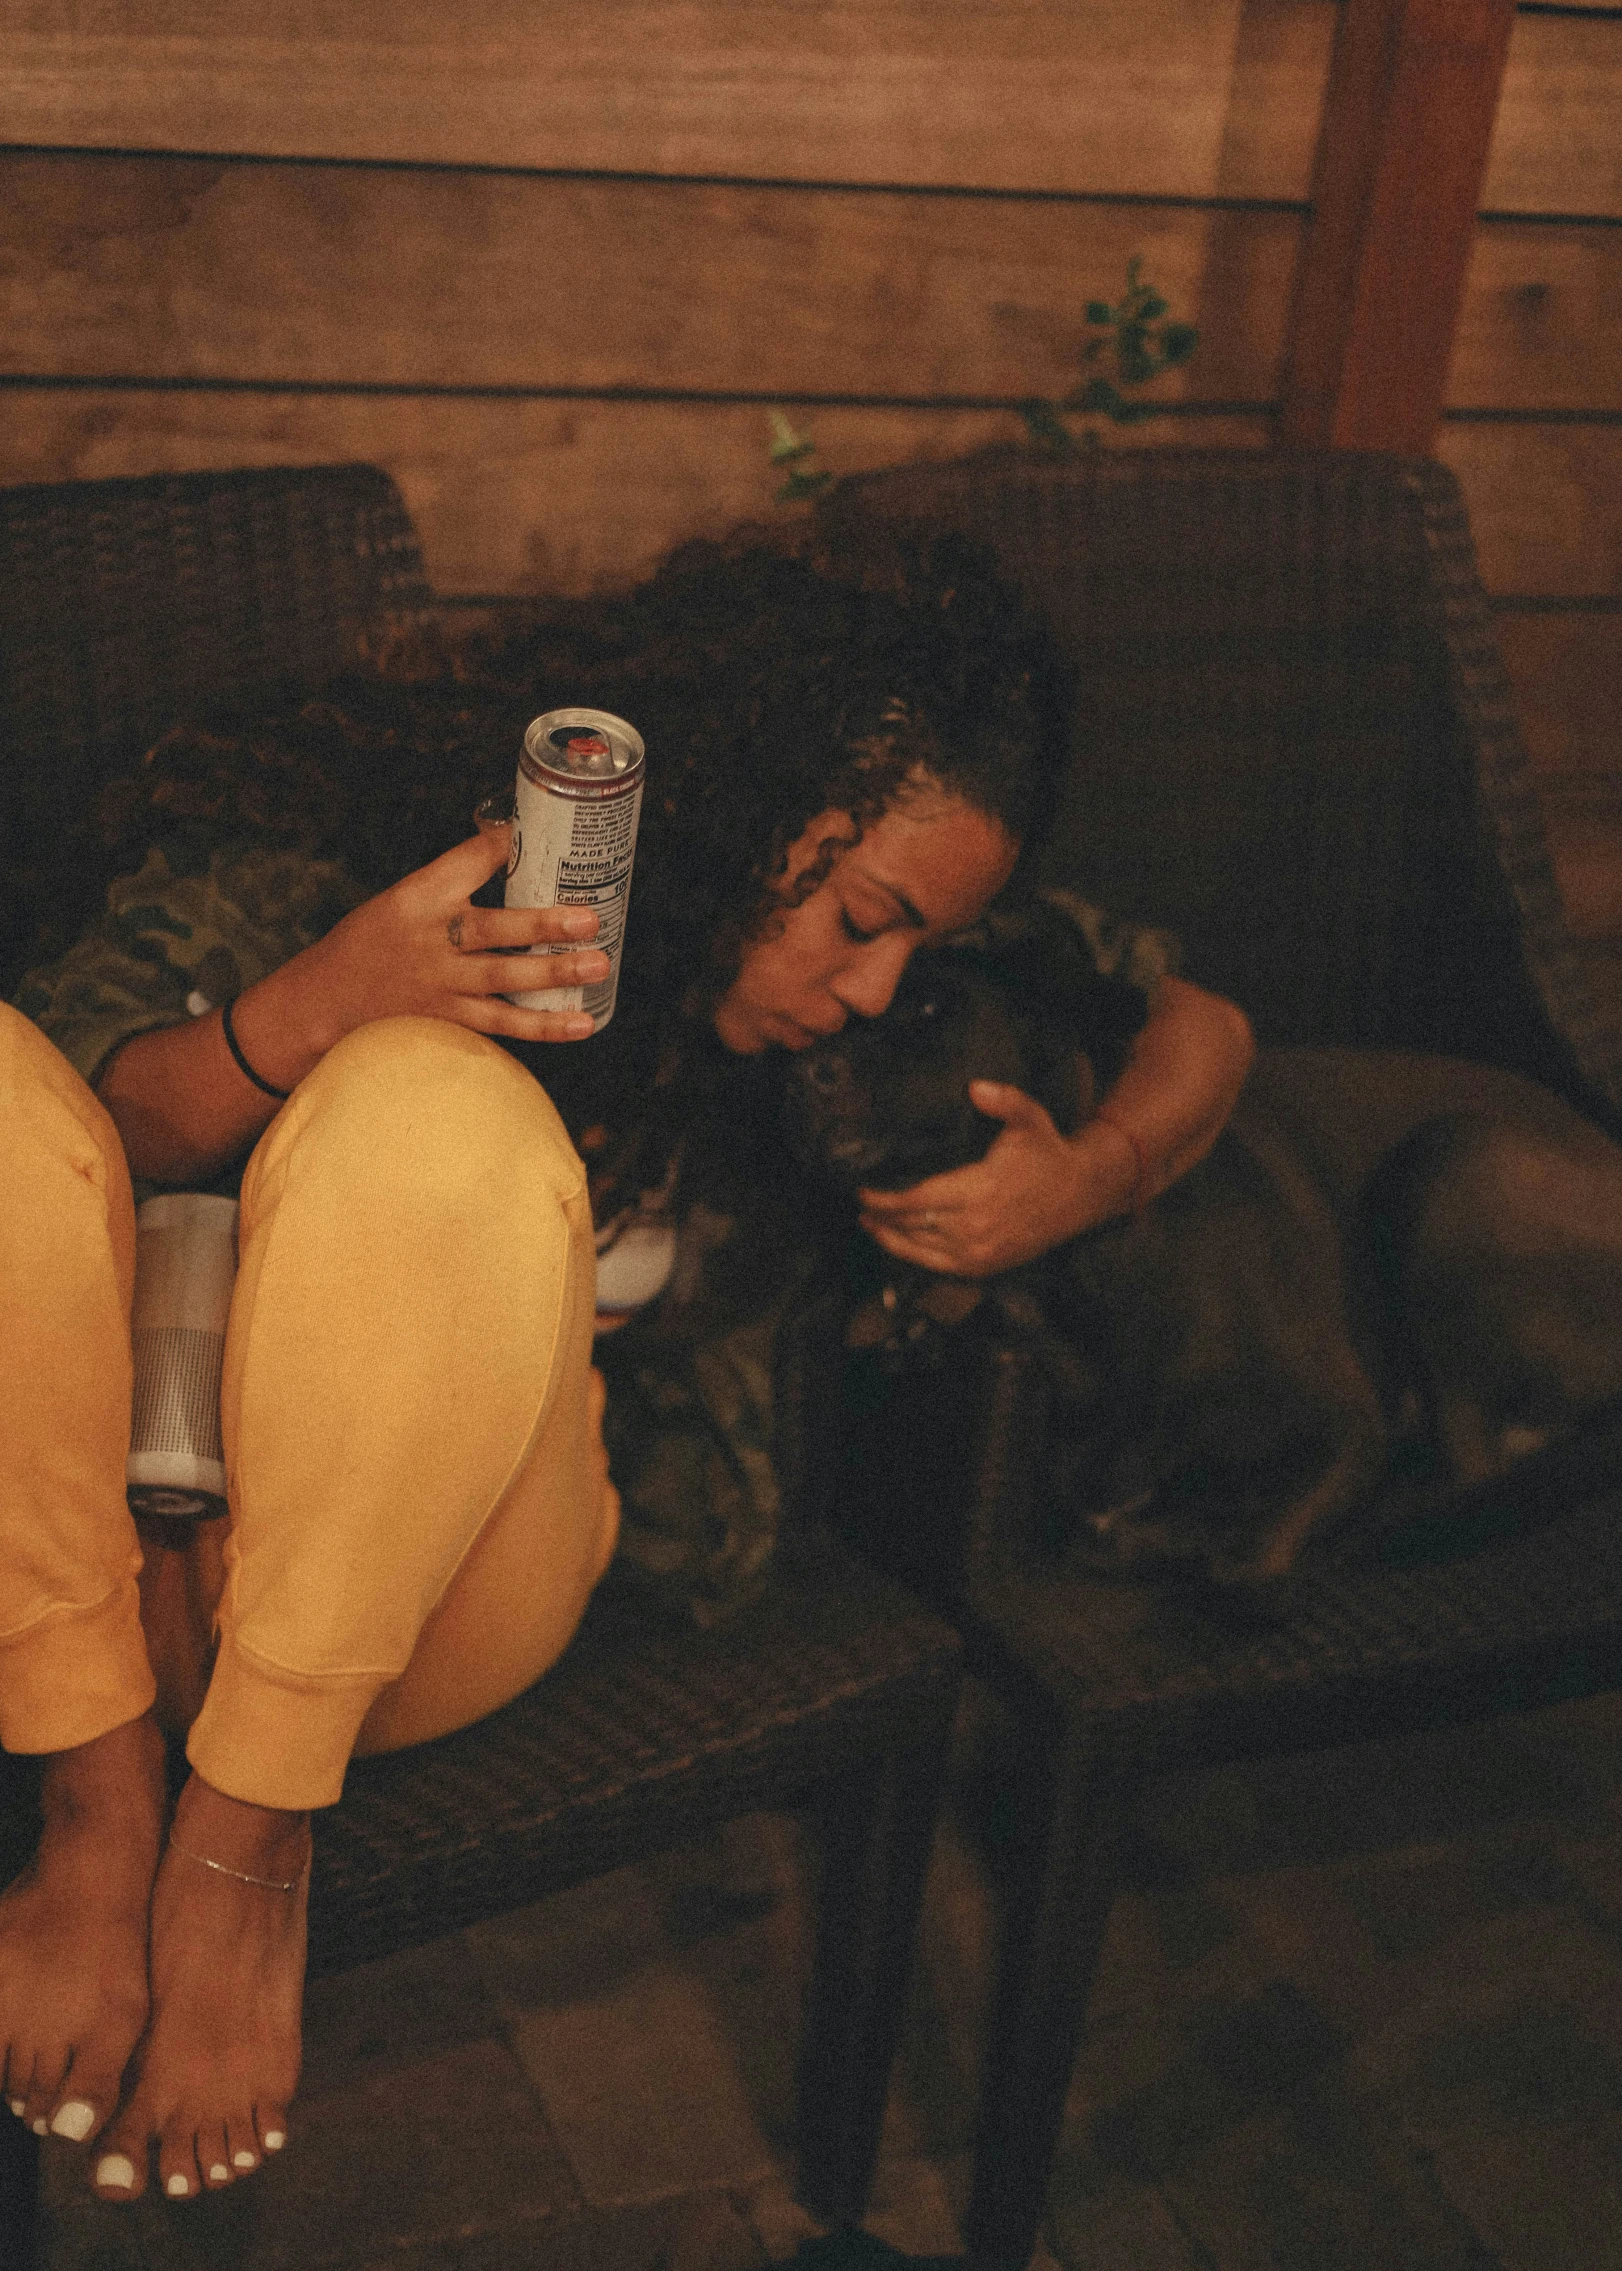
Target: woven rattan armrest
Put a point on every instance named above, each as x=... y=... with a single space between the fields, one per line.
x=1512 y=1600
x=126 y=604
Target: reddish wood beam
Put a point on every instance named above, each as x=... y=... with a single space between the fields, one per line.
x=1402 y=148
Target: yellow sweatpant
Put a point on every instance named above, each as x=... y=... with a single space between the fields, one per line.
x=419 y=1499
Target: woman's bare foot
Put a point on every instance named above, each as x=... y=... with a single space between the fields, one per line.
x=73 y=1933
x=216 y=2069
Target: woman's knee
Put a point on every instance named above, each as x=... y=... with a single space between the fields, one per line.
x=60 y=1155
x=415 y=1108
x=43 y=1096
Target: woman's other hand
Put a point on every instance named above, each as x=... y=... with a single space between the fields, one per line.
x=1033 y=1189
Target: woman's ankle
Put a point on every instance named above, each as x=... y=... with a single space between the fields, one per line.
x=237 y=1835
x=118 y=1773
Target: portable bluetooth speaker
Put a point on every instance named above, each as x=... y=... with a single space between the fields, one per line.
x=185 y=1267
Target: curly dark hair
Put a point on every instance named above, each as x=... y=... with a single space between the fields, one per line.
x=769 y=687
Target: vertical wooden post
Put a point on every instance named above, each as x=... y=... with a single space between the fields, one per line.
x=1402 y=149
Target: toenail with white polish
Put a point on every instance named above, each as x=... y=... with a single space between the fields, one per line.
x=275 y=2139
x=19 y=2106
x=41 y=2127
x=113 y=2168
x=243 y=2160
x=218 y=2173
x=177 y=2186
x=75 y=2119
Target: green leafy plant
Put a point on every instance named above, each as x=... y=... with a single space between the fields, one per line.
x=1134 y=338
x=795 y=450
x=1135 y=333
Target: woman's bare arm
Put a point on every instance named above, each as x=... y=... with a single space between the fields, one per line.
x=1036 y=1187
x=183 y=1107
x=1178 y=1087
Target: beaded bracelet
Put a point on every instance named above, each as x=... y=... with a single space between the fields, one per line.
x=1140 y=1161
x=235 y=1046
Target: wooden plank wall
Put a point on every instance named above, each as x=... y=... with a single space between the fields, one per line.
x=552 y=271
x=551 y=267
x=1537 y=378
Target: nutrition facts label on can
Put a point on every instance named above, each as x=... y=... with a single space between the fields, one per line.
x=596 y=872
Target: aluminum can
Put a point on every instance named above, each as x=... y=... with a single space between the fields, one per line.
x=185 y=1268
x=576 y=807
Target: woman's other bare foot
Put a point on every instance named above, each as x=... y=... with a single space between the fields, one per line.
x=73 y=1932
x=216 y=2069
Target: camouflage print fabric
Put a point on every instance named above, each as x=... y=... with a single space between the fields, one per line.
x=1133 y=951
x=689 y=1422
x=188 y=932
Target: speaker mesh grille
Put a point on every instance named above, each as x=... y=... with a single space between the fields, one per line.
x=177 y=1391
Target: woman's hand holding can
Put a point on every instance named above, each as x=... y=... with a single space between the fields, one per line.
x=422 y=949
x=184 y=1106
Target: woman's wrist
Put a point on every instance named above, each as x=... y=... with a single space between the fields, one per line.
x=1110 y=1178
x=1139 y=1171
x=281 y=1028
x=240 y=1060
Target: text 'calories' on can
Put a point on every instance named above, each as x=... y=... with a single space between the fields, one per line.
x=576 y=807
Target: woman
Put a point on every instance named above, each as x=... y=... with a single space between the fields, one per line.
x=420 y=1502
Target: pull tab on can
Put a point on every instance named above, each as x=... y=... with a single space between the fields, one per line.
x=576 y=808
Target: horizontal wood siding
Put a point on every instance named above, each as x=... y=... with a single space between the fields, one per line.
x=1541 y=323
x=182 y=268
x=186 y=268
x=1568 y=665
x=1556 y=148
x=510 y=496
x=1190 y=98
x=1541 y=332
x=1033 y=148
x=1545 y=505
x=552 y=266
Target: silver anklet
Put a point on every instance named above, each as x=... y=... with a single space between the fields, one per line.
x=270 y=1884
